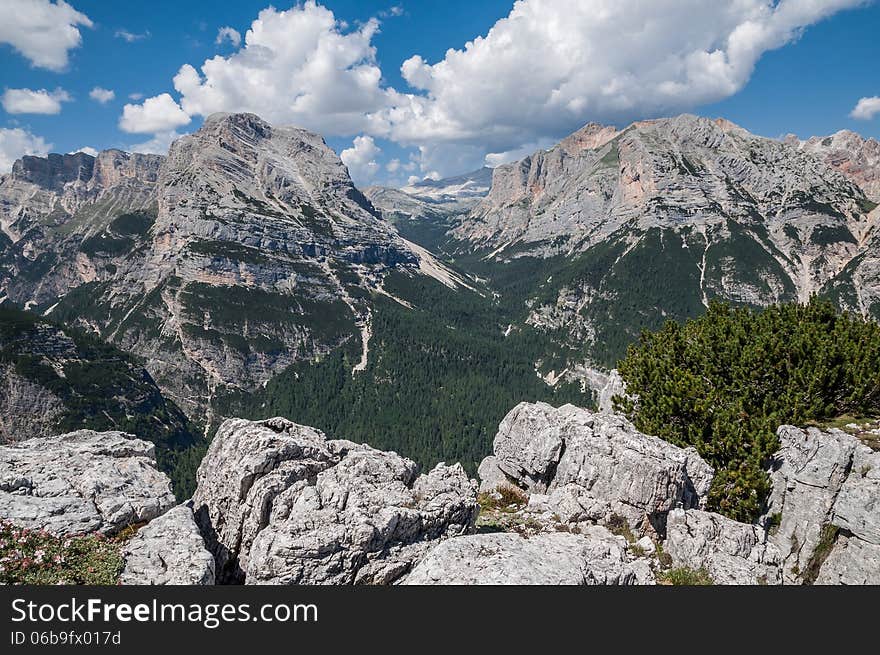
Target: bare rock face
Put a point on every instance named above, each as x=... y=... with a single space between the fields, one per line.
x=652 y=222
x=595 y=557
x=168 y=551
x=823 y=511
x=247 y=249
x=593 y=466
x=281 y=504
x=854 y=156
x=851 y=562
x=731 y=552
x=82 y=482
x=490 y=475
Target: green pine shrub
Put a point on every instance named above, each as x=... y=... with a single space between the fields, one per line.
x=725 y=381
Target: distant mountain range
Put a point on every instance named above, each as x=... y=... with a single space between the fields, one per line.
x=649 y=223
x=248 y=273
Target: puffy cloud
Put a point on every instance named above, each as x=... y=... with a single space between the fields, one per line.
x=541 y=72
x=28 y=101
x=158 y=145
x=361 y=159
x=552 y=65
x=42 y=31
x=15 y=142
x=866 y=108
x=157 y=114
x=101 y=95
x=131 y=37
x=228 y=34
x=86 y=149
x=298 y=66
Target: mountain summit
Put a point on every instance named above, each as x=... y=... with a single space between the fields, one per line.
x=245 y=250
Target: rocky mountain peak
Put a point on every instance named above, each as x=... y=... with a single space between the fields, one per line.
x=53 y=171
x=589 y=137
x=852 y=155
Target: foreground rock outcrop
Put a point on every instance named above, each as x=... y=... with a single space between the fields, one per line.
x=168 y=551
x=572 y=468
x=595 y=557
x=569 y=497
x=729 y=551
x=824 y=512
x=82 y=482
x=279 y=503
x=595 y=466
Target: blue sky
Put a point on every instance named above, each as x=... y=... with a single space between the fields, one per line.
x=546 y=68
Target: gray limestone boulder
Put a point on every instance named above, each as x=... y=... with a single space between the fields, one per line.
x=281 y=504
x=594 y=465
x=851 y=562
x=732 y=553
x=168 y=551
x=595 y=557
x=491 y=477
x=82 y=482
x=826 y=486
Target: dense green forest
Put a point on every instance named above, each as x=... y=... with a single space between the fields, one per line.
x=439 y=379
x=725 y=381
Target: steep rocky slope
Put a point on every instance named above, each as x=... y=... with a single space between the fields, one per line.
x=244 y=251
x=57 y=378
x=613 y=231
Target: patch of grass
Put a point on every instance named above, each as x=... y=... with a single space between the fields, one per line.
x=686 y=577
x=773 y=522
x=506 y=498
x=827 y=539
x=619 y=526
x=664 y=558
x=35 y=557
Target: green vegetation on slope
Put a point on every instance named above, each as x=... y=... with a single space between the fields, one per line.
x=724 y=382
x=34 y=557
x=439 y=378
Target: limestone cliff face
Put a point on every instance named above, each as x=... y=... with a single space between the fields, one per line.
x=654 y=221
x=245 y=250
x=689 y=175
x=851 y=154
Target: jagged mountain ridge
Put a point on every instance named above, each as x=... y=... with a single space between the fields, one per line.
x=246 y=249
x=651 y=222
x=429 y=196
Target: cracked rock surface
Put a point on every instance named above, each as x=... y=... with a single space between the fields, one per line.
x=82 y=482
x=281 y=504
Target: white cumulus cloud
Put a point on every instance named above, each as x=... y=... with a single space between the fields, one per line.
x=538 y=74
x=131 y=37
x=298 y=66
x=866 y=108
x=29 y=101
x=228 y=34
x=158 y=145
x=552 y=65
x=42 y=31
x=157 y=114
x=101 y=95
x=361 y=159
x=16 y=142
